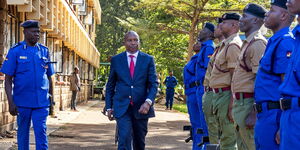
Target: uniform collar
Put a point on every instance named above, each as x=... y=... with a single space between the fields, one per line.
x=25 y=45
x=230 y=38
x=280 y=33
x=208 y=42
x=296 y=30
x=252 y=35
x=135 y=54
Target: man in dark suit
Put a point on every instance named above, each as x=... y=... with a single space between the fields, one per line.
x=130 y=93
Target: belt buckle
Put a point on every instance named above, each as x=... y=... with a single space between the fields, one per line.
x=258 y=108
x=280 y=103
x=213 y=89
x=234 y=97
x=196 y=83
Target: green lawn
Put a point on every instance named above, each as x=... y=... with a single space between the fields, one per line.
x=180 y=107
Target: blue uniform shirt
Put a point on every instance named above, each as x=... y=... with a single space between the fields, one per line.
x=30 y=68
x=291 y=85
x=189 y=75
x=170 y=81
x=272 y=65
x=207 y=49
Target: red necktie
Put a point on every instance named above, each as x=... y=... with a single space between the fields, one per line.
x=131 y=69
x=131 y=66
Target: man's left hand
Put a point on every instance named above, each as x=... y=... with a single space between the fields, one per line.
x=251 y=119
x=144 y=109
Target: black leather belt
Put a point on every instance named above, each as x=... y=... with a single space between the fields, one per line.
x=193 y=84
x=270 y=105
x=169 y=88
x=286 y=104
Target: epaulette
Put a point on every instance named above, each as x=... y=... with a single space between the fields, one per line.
x=16 y=45
x=288 y=35
x=42 y=46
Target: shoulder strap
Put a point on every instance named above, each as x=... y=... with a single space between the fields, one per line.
x=245 y=66
x=226 y=50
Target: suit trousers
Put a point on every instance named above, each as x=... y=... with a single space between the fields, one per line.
x=131 y=131
x=39 y=118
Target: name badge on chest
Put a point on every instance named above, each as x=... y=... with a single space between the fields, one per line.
x=23 y=57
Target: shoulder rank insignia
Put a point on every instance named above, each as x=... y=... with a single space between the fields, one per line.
x=16 y=45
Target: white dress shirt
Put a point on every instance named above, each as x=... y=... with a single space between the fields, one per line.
x=134 y=58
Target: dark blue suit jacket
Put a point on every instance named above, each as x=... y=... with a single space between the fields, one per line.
x=121 y=87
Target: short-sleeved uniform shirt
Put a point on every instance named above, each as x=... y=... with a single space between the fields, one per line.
x=226 y=59
x=30 y=67
x=170 y=81
x=291 y=84
x=272 y=65
x=210 y=64
x=189 y=75
x=244 y=73
x=206 y=51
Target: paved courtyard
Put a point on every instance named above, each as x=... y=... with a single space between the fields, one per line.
x=89 y=129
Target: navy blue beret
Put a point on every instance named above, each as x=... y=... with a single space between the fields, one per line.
x=30 y=24
x=279 y=3
x=255 y=10
x=219 y=20
x=210 y=26
x=231 y=16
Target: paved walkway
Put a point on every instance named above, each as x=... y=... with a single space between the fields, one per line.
x=89 y=129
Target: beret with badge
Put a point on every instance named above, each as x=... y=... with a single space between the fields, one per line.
x=210 y=26
x=30 y=24
x=231 y=16
x=279 y=3
x=255 y=10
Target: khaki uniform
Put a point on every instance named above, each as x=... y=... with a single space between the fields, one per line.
x=207 y=100
x=220 y=79
x=243 y=82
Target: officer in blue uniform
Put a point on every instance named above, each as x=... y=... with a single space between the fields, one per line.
x=290 y=90
x=28 y=68
x=205 y=37
x=270 y=75
x=170 y=83
x=190 y=84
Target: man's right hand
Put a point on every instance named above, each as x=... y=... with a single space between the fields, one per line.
x=13 y=109
x=110 y=114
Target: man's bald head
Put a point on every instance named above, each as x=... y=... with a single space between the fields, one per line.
x=131 y=42
x=131 y=33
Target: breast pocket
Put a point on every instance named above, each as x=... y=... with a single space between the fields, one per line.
x=44 y=63
x=23 y=65
x=296 y=71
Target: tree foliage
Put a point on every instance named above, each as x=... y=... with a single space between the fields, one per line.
x=167 y=28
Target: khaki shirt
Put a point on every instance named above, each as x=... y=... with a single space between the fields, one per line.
x=74 y=82
x=226 y=59
x=210 y=64
x=245 y=71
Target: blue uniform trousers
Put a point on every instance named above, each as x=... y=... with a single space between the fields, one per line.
x=200 y=93
x=194 y=112
x=266 y=127
x=131 y=131
x=39 y=118
x=290 y=127
x=169 y=97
